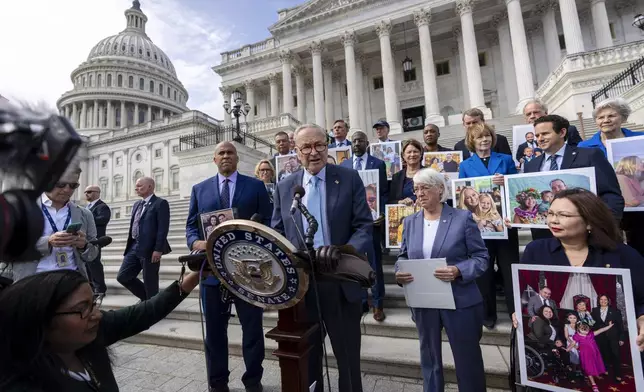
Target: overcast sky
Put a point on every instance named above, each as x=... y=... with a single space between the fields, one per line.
x=43 y=41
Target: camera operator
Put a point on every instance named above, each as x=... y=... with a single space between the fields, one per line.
x=53 y=337
x=58 y=247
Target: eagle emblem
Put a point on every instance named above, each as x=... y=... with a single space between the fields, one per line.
x=257 y=273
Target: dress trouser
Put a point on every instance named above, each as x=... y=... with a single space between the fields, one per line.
x=97 y=274
x=217 y=315
x=504 y=253
x=375 y=260
x=609 y=349
x=129 y=272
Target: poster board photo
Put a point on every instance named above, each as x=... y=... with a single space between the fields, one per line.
x=286 y=165
x=390 y=153
x=443 y=161
x=485 y=201
x=210 y=220
x=371 y=181
x=528 y=195
x=394 y=215
x=591 y=314
x=627 y=157
x=338 y=155
x=520 y=134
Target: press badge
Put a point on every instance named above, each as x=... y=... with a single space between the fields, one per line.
x=62 y=260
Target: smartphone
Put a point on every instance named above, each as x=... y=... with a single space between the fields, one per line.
x=73 y=228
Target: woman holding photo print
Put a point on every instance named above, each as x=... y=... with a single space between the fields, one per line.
x=402 y=183
x=481 y=139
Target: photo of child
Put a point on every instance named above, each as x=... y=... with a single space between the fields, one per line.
x=627 y=157
x=486 y=203
x=210 y=220
x=286 y=165
x=444 y=161
x=394 y=215
x=389 y=152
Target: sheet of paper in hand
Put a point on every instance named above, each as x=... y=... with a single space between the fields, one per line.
x=210 y=220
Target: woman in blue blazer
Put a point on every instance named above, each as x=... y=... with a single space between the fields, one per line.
x=481 y=139
x=440 y=231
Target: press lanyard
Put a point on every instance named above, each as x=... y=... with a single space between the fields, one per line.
x=51 y=220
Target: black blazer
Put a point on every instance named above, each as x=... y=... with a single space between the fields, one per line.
x=153 y=228
x=541 y=331
x=502 y=146
x=573 y=136
x=614 y=315
x=607 y=185
x=396 y=186
x=102 y=215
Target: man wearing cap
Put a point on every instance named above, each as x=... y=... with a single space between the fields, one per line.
x=340 y=131
x=382 y=131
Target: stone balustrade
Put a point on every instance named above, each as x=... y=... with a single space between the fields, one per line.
x=267 y=127
x=248 y=50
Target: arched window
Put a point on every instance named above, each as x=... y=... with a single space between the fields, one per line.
x=130 y=81
x=160 y=88
x=137 y=174
x=148 y=53
x=119 y=81
x=109 y=80
x=140 y=51
x=132 y=49
x=91 y=80
x=99 y=80
x=141 y=84
x=123 y=48
x=151 y=86
x=155 y=56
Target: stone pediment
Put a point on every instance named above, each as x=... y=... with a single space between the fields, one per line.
x=316 y=10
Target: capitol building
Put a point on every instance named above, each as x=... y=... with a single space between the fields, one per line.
x=406 y=61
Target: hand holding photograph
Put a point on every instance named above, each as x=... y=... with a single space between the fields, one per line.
x=394 y=215
x=485 y=201
x=210 y=220
x=286 y=165
x=627 y=155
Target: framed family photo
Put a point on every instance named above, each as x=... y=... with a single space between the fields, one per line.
x=528 y=196
x=577 y=328
x=390 y=153
x=626 y=155
x=443 y=161
x=338 y=155
x=210 y=220
x=286 y=165
x=394 y=215
x=485 y=201
x=371 y=181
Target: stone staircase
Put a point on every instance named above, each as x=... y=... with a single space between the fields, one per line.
x=388 y=348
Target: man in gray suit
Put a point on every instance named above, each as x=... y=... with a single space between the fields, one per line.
x=336 y=196
x=537 y=301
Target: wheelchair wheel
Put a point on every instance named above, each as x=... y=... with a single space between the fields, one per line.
x=533 y=362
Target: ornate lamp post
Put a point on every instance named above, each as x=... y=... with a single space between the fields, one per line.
x=237 y=110
x=638 y=21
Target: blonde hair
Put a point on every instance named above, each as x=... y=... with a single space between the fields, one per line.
x=493 y=214
x=260 y=164
x=627 y=166
x=461 y=197
x=476 y=130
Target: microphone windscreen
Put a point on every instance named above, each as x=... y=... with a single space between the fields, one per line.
x=256 y=218
x=102 y=241
x=298 y=189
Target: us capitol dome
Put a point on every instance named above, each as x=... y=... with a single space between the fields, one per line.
x=126 y=80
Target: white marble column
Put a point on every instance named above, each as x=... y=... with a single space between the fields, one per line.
x=471 y=53
x=90 y=171
x=160 y=113
x=327 y=73
x=166 y=167
x=95 y=114
x=458 y=36
x=83 y=120
x=500 y=21
x=123 y=115
x=249 y=86
x=422 y=19
x=365 y=102
x=603 y=38
x=525 y=83
x=110 y=175
x=550 y=35
x=66 y=111
x=101 y=116
x=226 y=92
x=383 y=29
x=127 y=174
x=110 y=115
x=318 y=83
x=75 y=116
x=149 y=162
x=571 y=26
x=149 y=117
x=286 y=57
x=300 y=88
x=136 y=114
x=348 y=41
x=360 y=59
x=273 y=80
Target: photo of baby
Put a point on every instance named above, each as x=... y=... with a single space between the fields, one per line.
x=485 y=201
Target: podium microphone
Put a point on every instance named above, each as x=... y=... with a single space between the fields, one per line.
x=298 y=194
x=101 y=242
x=256 y=218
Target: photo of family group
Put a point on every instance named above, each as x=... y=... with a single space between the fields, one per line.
x=577 y=329
x=286 y=165
x=338 y=155
x=371 y=181
x=444 y=161
x=524 y=145
x=389 y=152
x=485 y=201
x=528 y=196
x=210 y=220
x=394 y=215
x=627 y=155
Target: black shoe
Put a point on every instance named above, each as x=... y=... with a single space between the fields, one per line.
x=255 y=388
x=489 y=324
x=221 y=388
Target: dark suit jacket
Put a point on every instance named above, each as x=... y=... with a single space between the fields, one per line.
x=607 y=186
x=521 y=149
x=550 y=252
x=348 y=215
x=250 y=197
x=374 y=163
x=574 y=137
x=613 y=314
x=153 y=227
x=499 y=163
x=333 y=144
x=541 y=331
x=459 y=240
x=502 y=146
x=102 y=215
x=397 y=185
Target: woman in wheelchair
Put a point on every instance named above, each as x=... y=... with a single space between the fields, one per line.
x=543 y=327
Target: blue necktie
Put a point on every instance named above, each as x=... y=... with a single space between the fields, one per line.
x=358 y=165
x=553 y=163
x=224 y=196
x=314 y=205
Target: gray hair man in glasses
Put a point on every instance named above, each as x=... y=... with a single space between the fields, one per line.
x=63 y=245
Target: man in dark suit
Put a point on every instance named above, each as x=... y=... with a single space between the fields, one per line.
x=247 y=196
x=529 y=142
x=102 y=215
x=334 y=195
x=283 y=146
x=147 y=241
x=551 y=132
x=340 y=130
x=363 y=161
x=431 y=133
x=537 y=301
x=535 y=109
x=474 y=116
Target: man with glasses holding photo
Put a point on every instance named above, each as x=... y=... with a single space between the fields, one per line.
x=67 y=230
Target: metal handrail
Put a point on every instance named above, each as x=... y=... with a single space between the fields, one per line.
x=216 y=135
x=621 y=83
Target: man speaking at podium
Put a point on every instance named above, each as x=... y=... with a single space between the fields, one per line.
x=335 y=196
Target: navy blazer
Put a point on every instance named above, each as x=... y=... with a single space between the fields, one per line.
x=102 y=215
x=607 y=186
x=549 y=251
x=499 y=163
x=374 y=163
x=347 y=214
x=333 y=144
x=154 y=225
x=459 y=241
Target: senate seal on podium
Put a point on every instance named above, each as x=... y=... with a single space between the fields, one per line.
x=257 y=264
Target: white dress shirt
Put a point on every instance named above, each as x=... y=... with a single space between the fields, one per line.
x=430 y=227
x=48 y=263
x=363 y=164
x=545 y=165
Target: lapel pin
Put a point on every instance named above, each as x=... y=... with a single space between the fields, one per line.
x=607 y=265
x=444 y=221
x=337 y=182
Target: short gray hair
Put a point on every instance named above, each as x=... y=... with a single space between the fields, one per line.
x=618 y=104
x=432 y=178
x=306 y=126
x=536 y=101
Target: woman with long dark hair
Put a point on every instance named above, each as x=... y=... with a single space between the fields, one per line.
x=54 y=338
x=610 y=342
